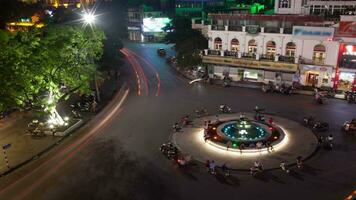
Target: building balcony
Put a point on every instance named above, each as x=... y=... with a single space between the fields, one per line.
x=314 y=61
x=249 y=60
x=218 y=27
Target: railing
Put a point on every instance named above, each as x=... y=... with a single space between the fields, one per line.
x=266 y=57
x=217 y=27
x=271 y=30
x=231 y=53
x=286 y=59
x=318 y=61
x=288 y=30
x=214 y=52
x=289 y=59
x=248 y=55
x=235 y=28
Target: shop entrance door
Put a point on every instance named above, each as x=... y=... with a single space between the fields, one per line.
x=312 y=79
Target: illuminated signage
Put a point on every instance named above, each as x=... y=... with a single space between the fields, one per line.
x=307 y=32
x=290 y=67
x=155 y=24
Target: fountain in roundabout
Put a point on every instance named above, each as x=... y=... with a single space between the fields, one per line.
x=243 y=133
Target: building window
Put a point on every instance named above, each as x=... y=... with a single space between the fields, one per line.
x=290 y=49
x=235 y=45
x=284 y=4
x=252 y=46
x=319 y=54
x=270 y=49
x=217 y=43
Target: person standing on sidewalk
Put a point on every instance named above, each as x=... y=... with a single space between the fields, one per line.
x=299 y=162
x=207 y=165
x=212 y=167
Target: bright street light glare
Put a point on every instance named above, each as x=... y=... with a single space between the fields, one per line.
x=89 y=18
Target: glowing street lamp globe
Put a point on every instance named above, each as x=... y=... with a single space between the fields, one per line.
x=88 y=18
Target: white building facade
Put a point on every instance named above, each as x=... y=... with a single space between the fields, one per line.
x=307 y=55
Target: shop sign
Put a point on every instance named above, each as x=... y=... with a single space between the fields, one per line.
x=315 y=68
x=133 y=28
x=250 y=63
x=252 y=29
x=308 y=32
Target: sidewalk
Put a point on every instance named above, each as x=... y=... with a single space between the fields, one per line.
x=24 y=147
x=246 y=84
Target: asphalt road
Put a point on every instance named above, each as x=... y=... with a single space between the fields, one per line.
x=119 y=158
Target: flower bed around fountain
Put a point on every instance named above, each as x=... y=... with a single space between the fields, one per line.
x=243 y=133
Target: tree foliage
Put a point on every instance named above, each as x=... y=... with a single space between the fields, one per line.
x=58 y=60
x=188 y=42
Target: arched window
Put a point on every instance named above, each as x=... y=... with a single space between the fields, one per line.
x=217 y=43
x=235 y=45
x=252 y=46
x=319 y=54
x=290 y=49
x=271 y=49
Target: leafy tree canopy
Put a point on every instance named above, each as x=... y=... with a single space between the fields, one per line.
x=57 y=59
x=188 y=42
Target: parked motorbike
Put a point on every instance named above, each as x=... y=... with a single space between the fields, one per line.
x=328 y=92
x=225 y=109
x=349 y=126
x=286 y=89
x=276 y=88
x=350 y=96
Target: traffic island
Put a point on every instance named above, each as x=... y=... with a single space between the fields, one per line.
x=238 y=140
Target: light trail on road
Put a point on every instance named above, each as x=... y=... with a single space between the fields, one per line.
x=150 y=65
x=137 y=67
x=138 y=82
x=71 y=150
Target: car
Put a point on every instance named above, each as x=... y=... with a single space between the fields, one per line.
x=161 y=52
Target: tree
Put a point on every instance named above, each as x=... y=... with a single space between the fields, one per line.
x=188 y=42
x=40 y=68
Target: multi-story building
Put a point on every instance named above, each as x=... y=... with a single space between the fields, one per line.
x=272 y=47
x=326 y=8
x=345 y=75
x=287 y=48
x=146 y=24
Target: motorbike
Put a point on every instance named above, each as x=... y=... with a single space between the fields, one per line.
x=227 y=82
x=328 y=92
x=225 y=109
x=176 y=127
x=286 y=89
x=169 y=150
x=201 y=112
x=276 y=88
x=186 y=120
x=319 y=98
x=316 y=125
x=349 y=126
x=350 y=96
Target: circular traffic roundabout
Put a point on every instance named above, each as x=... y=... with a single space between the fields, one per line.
x=238 y=140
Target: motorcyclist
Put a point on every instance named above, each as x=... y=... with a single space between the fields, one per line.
x=185 y=120
x=224 y=108
x=329 y=141
x=176 y=127
x=225 y=170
